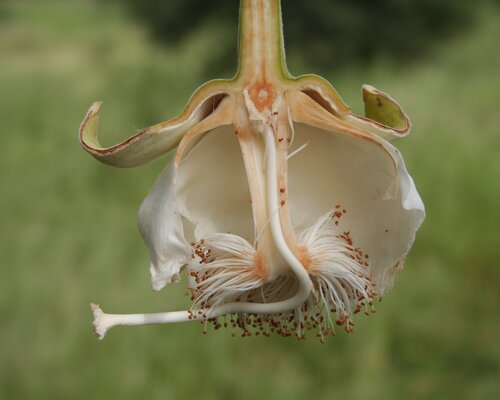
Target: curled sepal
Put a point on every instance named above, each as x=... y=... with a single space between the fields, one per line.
x=143 y=147
x=161 y=228
x=383 y=115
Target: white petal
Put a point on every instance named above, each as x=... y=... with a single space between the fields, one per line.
x=383 y=208
x=161 y=228
x=212 y=187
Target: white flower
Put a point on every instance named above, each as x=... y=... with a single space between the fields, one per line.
x=280 y=205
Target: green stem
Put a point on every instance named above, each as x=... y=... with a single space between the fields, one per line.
x=261 y=48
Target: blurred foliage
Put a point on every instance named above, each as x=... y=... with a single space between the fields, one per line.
x=328 y=33
x=68 y=233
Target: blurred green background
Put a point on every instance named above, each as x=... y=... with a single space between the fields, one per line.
x=68 y=232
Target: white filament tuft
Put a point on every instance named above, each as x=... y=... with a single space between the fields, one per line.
x=340 y=271
x=223 y=270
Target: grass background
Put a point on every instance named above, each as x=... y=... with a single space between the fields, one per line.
x=68 y=233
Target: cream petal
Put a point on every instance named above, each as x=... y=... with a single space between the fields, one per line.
x=212 y=187
x=161 y=228
x=383 y=207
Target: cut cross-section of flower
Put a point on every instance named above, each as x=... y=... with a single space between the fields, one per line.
x=285 y=211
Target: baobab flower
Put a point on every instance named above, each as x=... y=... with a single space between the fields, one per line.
x=285 y=211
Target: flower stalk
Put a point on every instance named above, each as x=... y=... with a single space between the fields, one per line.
x=261 y=47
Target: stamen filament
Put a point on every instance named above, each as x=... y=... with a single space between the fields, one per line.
x=298 y=150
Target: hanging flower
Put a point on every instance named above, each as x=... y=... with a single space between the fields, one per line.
x=286 y=211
